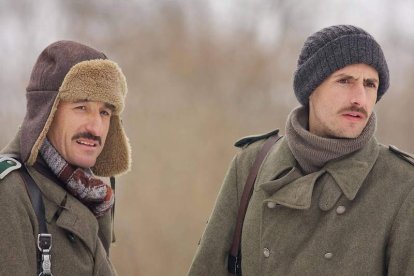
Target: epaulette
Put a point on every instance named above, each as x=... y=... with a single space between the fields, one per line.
x=7 y=165
x=404 y=155
x=245 y=141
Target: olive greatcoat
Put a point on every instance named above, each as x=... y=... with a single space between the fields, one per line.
x=353 y=217
x=80 y=241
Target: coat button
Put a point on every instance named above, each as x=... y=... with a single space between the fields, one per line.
x=71 y=237
x=271 y=205
x=328 y=255
x=340 y=210
x=266 y=252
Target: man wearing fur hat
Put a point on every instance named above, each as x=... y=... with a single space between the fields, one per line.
x=55 y=212
x=328 y=199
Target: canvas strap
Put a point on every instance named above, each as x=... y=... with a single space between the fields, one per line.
x=234 y=259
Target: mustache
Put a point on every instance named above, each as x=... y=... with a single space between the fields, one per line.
x=87 y=135
x=354 y=109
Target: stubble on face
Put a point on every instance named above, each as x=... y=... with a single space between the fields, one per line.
x=342 y=104
x=78 y=131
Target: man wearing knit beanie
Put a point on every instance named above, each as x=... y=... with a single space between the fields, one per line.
x=327 y=198
x=56 y=209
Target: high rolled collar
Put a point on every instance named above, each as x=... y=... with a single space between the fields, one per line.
x=311 y=151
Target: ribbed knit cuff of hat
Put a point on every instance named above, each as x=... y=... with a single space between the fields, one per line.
x=334 y=48
x=312 y=152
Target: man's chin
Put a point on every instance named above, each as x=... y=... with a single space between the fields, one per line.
x=85 y=164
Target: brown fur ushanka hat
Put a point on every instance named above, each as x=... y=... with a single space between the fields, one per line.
x=70 y=71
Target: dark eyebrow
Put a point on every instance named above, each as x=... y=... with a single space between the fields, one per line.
x=107 y=105
x=371 y=80
x=81 y=101
x=110 y=106
x=348 y=77
x=345 y=76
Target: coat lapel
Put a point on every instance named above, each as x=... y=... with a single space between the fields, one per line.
x=350 y=171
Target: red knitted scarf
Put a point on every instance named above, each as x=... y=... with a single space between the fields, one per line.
x=80 y=182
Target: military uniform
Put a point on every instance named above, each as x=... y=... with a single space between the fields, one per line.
x=355 y=216
x=80 y=241
x=65 y=71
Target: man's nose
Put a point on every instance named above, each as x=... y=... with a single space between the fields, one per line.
x=358 y=96
x=95 y=124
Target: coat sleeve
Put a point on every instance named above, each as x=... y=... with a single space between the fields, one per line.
x=400 y=249
x=214 y=247
x=18 y=245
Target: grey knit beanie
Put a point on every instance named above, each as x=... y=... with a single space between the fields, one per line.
x=331 y=49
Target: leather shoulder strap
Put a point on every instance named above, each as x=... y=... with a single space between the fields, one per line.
x=112 y=180
x=44 y=239
x=234 y=260
x=35 y=196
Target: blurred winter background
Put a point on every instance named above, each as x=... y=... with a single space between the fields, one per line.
x=201 y=74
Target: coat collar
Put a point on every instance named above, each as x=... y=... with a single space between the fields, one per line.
x=285 y=184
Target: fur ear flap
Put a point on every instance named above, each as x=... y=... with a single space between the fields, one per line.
x=115 y=157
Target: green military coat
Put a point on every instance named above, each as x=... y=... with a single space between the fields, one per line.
x=80 y=242
x=353 y=217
